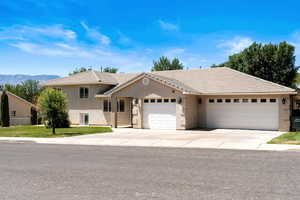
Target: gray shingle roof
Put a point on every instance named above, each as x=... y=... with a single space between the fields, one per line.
x=220 y=80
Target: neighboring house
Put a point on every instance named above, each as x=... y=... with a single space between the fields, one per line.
x=19 y=109
x=178 y=99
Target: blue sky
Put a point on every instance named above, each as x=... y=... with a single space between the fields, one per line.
x=54 y=37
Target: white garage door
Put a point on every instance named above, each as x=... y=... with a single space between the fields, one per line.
x=159 y=113
x=243 y=113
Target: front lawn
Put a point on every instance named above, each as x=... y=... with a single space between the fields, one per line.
x=41 y=131
x=287 y=138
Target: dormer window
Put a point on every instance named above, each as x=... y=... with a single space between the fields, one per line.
x=84 y=93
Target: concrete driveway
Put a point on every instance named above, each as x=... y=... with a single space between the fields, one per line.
x=217 y=138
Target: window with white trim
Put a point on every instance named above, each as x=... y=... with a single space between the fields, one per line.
x=106 y=105
x=84 y=93
x=120 y=105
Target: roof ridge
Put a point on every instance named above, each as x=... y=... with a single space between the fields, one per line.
x=257 y=78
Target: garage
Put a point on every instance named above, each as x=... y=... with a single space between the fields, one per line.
x=159 y=113
x=243 y=113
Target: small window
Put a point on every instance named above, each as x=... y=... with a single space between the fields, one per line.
x=146 y=100
x=84 y=93
x=59 y=89
x=159 y=100
x=263 y=100
x=236 y=100
x=107 y=106
x=166 y=100
x=245 y=100
x=273 y=100
x=219 y=100
x=152 y=100
x=211 y=100
x=120 y=105
x=227 y=100
x=253 y=100
x=173 y=100
x=13 y=113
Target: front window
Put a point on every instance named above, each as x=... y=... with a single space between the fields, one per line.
x=120 y=105
x=84 y=93
x=13 y=113
x=107 y=106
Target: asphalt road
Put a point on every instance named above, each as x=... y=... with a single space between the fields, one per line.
x=43 y=172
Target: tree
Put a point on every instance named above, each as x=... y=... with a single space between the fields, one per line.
x=272 y=62
x=28 y=90
x=33 y=117
x=79 y=70
x=53 y=107
x=110 y=69
x=165 y=64
x=5 y=110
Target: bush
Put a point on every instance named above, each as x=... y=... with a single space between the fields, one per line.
x=5 y=120
x=33 y=117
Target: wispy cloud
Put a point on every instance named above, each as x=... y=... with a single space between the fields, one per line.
x=95 y=34
x=168 y=26
x=22 y=32
x=123 y=39
x=236 y=44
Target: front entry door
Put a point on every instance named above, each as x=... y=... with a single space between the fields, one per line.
x=84 y=119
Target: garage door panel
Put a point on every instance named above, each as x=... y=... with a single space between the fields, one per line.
x=243 y=115
x=159 y=115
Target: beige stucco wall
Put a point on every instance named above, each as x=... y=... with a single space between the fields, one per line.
x=154 y=89
x=93 y=106
x=284 y=109
x=191 y=111
x=22 y=108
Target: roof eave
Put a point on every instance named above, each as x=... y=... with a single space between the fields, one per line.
x=251 y=93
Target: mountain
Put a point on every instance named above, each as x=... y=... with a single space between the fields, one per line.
x=19 y=78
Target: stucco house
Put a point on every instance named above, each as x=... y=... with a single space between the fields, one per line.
x=178 y=99
x=19 y=109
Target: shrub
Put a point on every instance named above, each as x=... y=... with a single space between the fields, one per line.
x=5 y=110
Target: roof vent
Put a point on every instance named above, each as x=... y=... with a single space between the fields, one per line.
x=146 y=81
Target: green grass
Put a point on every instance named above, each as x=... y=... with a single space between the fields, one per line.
x=41 y=131
x=287 y=138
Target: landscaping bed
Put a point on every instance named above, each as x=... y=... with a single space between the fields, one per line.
x=41 y=131
x=287 y=138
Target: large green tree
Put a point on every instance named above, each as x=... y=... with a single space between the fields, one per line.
x=28 y=90
x=52 y=104
x=110 y=69
x=5 y=110
x=272 y=62
x=79 y=70
x=165 y=64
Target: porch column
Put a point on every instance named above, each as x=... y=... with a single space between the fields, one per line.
x=114 y=116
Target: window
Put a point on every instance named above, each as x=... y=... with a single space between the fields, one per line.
x=173 y=100
x=84 y=119
x=13 y=113
x=146 y=100
x=236 y=100
x=120 y=105
x=245 y=100
x=253 y=100
x=263 y=100
x=59 y=89
x=107 y=106
x=152 y=100
x=84 y=92
x=272 y=100
x=219 y=100
x=211 y=100
x=166 y=100
x=227 y=100
x=159 y=100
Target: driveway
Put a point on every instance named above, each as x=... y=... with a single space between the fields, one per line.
x=217 y=139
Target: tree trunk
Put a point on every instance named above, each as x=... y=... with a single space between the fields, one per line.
x=53 y=127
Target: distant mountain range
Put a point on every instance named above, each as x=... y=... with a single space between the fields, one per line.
x=19 y=78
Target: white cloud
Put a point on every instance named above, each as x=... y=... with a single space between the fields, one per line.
x=95 y=34
x=22 y=32
x=123 y=39
x=168 y=26
x=174 y=52
x=236 y=44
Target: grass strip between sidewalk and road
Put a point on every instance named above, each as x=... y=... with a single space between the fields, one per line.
x=43 y=132
x=287 y=138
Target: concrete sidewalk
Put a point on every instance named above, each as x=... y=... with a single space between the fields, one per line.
x=216 y=139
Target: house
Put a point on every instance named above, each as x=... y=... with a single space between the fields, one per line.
x=19 y=109
x=178 y=99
